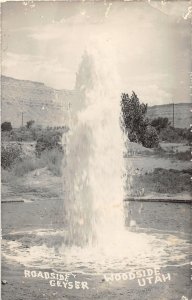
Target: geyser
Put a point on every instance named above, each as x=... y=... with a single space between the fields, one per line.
x=94 y=191
x=94 y=169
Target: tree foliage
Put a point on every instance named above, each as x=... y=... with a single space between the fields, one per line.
x=30 y=123
x=48 y=141
x=6 y=126
x=150 y=138
x=160 y=123
x=135 y=123
x=10 y=153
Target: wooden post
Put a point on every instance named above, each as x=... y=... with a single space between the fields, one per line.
x=173 y=115
x=22 y=119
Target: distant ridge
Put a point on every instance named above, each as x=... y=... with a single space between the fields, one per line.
x=38 y=102
x=182 y=114
x=171 y=104
x=8 y=78
x=49 y=107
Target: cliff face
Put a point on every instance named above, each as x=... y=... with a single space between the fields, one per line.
x=182 y=114
x=45 y=105
x=50 y=107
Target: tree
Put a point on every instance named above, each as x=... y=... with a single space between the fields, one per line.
x=134 y=121
x=48 y=141
x=6 y=126
x=160 y=123
x=10 y=153
x=133 y=114
x=150 y=138
x=30 y=124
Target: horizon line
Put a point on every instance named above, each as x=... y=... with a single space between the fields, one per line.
x=65 y=89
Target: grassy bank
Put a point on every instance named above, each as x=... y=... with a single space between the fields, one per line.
x=161 y=181
x=51 y=159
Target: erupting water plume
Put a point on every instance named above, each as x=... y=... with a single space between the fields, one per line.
x=94 y=154
x=94 y=190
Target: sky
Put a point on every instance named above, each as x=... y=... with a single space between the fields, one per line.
x=44 y=41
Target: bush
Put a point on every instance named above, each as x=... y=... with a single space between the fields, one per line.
x=25 y=166
x=48 y=141
x=6 y=176
x=185 y=156
x=160 y=123
x=30 y=124
x=23 y=134
x=6 y=126
x=171 y=134
x=150 y=138
x=31 y=134
x=162 y=181
x=53 y=161
x=10 y=154
x=20 y=134
x=171 y=180
x=7 y=136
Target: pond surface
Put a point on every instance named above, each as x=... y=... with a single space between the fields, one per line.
x=156 y=235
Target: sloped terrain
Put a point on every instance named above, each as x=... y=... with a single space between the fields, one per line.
x=182 y=114
x=50 y=107
x=45 y=105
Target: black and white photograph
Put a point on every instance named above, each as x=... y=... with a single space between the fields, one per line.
x=96 y=150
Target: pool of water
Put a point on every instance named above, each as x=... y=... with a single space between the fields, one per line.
x=156 y=235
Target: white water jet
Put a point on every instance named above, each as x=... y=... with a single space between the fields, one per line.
x=94 y=190
x=95 y=146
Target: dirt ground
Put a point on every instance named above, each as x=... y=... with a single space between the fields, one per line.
x=20 y=288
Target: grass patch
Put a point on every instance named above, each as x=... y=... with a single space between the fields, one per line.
x=175 y=135
x=185 y=156
x=53 y=161
x=162 y=181
x=25 y=166
x=6 y=176
x=168 y=181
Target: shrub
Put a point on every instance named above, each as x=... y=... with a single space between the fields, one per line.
x=160 y=123
x=6 y=126
x=25 y=166
x=10 y=154
x=30 y=124
x=163 y=181
x=171 y=134
x=171 y=180
x=7 y=136
x=48 y=141
x=133 y=137
x=185 y=156
x=150 y=138
x=6 y=176
x=53 y=161
x=23 y=134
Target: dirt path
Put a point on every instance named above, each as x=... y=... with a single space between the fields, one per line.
x=19 y=287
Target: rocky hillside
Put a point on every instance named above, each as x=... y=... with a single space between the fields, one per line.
x=49 y=107
x=44 y=105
